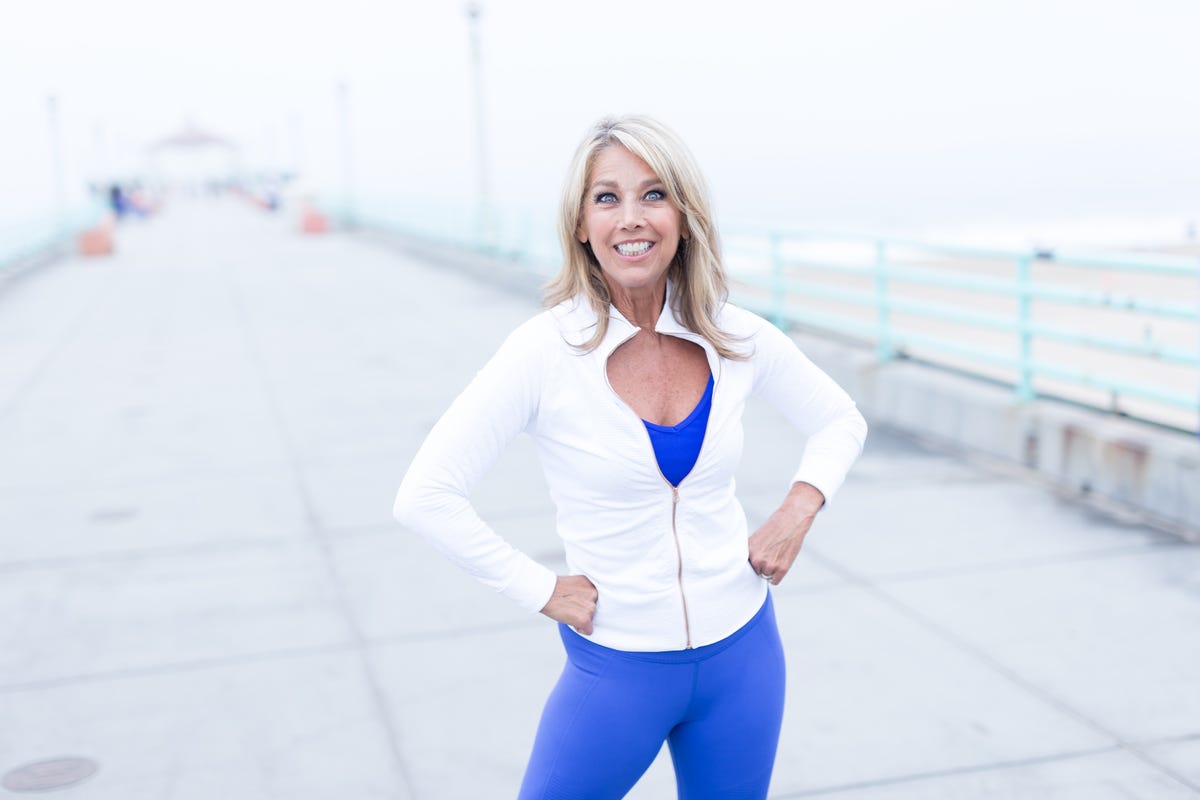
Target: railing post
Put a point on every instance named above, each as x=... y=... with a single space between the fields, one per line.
x=521 y=248
x=1024 y=310
x=883 y=339
x=484 y=231
x=778 y=289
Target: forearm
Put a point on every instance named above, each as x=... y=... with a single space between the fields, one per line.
x=448 y=522
x=432 y=500
x=803 y=501
x=774 y=546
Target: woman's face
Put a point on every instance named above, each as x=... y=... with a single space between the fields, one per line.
x=630 y=222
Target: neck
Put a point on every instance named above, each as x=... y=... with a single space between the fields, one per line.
x=642 y=305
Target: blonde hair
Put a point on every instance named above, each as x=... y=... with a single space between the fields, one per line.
x=696 y=271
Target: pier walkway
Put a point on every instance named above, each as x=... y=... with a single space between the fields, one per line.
x=203 y=591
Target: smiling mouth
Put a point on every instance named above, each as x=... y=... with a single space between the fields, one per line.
x=634 y=248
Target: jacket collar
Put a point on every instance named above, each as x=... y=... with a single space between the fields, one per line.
x=578 y=322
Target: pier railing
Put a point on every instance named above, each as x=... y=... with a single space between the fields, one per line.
x=1119 y=333
x=33 y=238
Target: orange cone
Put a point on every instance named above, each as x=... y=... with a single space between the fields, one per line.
x=313 y=221
x=97 y=241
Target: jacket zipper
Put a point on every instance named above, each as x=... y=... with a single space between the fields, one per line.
x=687 y=625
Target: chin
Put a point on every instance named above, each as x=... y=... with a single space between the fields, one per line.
x=628 y=280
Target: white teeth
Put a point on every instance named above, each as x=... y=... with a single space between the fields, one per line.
x=633 y=248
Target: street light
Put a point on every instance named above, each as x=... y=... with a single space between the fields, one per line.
x=482 y=221
x=60 y=190
x=343 y=98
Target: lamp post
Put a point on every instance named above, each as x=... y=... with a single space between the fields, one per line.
x=343 y=100
x=60 y=192
x=295 y=145
x=482 y=221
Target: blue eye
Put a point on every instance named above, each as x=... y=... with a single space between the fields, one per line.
x=606 y=197
x=656 y=194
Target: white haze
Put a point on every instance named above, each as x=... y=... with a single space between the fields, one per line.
x=1004 y=120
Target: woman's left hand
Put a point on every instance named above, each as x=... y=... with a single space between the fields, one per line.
x=775 y=545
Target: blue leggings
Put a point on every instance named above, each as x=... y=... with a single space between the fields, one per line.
x=719 y=708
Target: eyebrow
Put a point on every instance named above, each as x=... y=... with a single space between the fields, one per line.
x=644 y=184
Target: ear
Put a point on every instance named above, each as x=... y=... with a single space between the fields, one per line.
x=581 y=234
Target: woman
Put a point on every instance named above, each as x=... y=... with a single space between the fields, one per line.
x=632 y=385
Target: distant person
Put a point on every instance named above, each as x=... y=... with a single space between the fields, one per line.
x=632 y=385
x=138 y=202
x=116 y=200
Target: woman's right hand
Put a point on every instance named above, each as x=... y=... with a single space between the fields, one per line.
x=573 y=602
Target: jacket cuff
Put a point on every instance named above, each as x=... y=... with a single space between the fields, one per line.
x=532 y=587
x=825 y=482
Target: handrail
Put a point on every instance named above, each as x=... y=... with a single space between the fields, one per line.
x=883 y=279
x=24 y=240
x=893 y=292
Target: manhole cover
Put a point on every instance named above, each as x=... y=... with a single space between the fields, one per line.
x=53 y=773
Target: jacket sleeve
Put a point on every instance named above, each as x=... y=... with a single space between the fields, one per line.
x=811 y=401
x=500 y=402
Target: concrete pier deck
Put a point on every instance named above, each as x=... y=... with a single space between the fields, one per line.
x=202 y=589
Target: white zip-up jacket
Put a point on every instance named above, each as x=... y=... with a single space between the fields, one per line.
x=670 y=565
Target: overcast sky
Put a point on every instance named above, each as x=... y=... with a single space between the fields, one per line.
x=875 y=115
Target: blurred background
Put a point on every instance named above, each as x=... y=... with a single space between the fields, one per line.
x=232 y=235
x=1002 y=124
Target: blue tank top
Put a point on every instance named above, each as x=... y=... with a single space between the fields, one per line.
x=677 y=446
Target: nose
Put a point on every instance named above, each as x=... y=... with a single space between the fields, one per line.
x=631 y=215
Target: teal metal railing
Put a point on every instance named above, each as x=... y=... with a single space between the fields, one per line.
x=1043 y=322
x=25 y=240
x=519 y=234
x=1119 y=333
